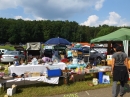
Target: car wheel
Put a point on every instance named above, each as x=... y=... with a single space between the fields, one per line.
x=98 y=60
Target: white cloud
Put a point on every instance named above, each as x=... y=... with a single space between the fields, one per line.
x=20 y=17
x=91 y=21
x=114 y=19
x=39 y=18
x=4 y=4
x=99 y=4
x=52 y=9
x=35 y=18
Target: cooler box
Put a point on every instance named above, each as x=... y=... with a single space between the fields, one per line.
x=54 y=73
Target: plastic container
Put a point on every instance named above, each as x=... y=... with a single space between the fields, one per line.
x=95 y=81
x=54 y=73
x=100 y=76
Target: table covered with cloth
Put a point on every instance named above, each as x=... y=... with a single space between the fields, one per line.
x=51 y=80
x=35 y=68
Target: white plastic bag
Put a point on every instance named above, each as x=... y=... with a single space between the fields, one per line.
x=106 y=79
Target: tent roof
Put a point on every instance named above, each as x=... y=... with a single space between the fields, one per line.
x=118 y=35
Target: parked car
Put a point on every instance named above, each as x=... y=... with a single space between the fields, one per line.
x=48 y=53
x=11 y=56
x=96 y=56
x=0 y=56
x=3 y=50
x=93 y=54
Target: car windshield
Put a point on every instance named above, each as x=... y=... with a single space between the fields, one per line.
x=11 y=53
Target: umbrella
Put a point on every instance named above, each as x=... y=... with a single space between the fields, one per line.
x=57 y=41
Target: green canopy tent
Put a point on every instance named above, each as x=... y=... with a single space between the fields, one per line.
x=122 y=34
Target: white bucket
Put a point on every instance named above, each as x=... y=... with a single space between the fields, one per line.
x=95 y=81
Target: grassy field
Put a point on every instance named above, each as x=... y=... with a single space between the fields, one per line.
x=10 y=47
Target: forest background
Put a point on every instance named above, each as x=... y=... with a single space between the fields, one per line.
x=20 y=31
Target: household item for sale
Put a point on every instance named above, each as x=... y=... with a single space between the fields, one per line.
x=34 y=61
x=95 y=81
x=35 y=74
x=105 y=79
x=75 y=61
x=11 y=91
x=54 y=73
x=100 y=76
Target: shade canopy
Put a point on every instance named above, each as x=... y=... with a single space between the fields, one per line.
x=57 y=41
x=122 y=34
x=118 y=35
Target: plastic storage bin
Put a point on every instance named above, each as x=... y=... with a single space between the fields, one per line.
x=100 y=76
x=54 y=73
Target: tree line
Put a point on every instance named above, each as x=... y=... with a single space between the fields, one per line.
x=20 y=31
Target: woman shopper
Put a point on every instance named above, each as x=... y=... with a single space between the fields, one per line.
x=119 y=70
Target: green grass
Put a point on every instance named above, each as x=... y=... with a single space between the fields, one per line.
x=45 y=89
x=10 y=47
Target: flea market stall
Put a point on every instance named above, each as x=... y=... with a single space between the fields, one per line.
x=122 y=34
x=39 y=73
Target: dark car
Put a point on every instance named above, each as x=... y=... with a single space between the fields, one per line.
x=48 y=53
x=96 y=56
x=93 y=55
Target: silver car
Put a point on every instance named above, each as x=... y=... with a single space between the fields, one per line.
x=11 y=56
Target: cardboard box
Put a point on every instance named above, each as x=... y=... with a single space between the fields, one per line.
x=109 y=62
x=35 y=74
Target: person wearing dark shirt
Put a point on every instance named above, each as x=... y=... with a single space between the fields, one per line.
x=119 y=71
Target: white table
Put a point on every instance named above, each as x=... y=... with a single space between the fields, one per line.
x=27 y=68
x=35 y=68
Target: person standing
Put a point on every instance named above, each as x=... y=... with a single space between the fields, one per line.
x=119 y=70
x=56 y=56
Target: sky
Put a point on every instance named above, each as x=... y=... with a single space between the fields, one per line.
x=84 y=12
